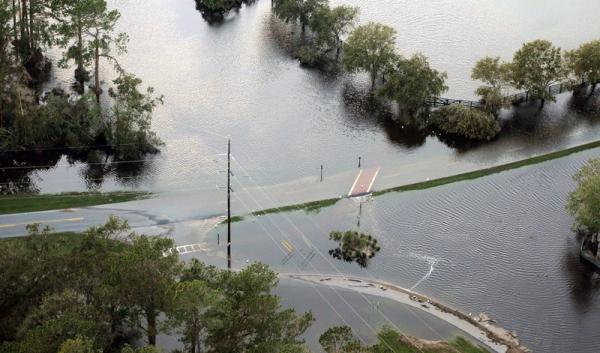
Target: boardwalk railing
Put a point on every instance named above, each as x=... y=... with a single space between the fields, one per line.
x=553 y=89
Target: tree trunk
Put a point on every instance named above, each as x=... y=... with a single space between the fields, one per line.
x=14 y=13
x=32 y=44
x=543 y=103
x=151 y=320
x=97 y=71
x=23 y=23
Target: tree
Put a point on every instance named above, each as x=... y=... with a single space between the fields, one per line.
x=147 y=271
x=102 y=41
x=59 y=318
x=192 y=301
x=339 y=339
x=74 y=20
x=496 y=75
x=412 y=83
x=536 y=66
x=331 y=24
x=292 y=11
x=247 y=318
x=584 y=62
x=130 y=132
x=584 y=202
x=370 y=48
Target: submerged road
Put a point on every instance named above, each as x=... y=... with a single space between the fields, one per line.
x=73 y=220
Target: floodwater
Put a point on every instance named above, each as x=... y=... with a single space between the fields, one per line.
x=237 y=78
x=502 y=245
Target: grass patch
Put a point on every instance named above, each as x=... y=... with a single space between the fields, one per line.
x=32 y=203
x=314 y=206
x=234 y=219
x=489 y=171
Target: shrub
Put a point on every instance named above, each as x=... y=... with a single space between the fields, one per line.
x=470 y=123
x=308 y=56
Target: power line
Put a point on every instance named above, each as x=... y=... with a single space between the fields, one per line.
x=327 y=260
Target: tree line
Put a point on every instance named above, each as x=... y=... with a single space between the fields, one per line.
x=535 y=67
x=86 y=31
x=412 y=83
x=103 y=290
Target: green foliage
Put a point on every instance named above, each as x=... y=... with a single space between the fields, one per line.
x=496 y=75
x=85 y=292
x=292 y=11
x=584 y=202
x=584 y=62
x=59 y=318
x=354 y=246
x=129 y=132
x=247 y=318
x=492 y=98
x=370 y=48
x=309 y=55
x=492 y=72
x=412 y=83
x=535 y=66
x=339 y=339
x=192 y=300
x=330 y=24
x=149 y=267
x=467 y=122
x=78 y=345
x=218 y=6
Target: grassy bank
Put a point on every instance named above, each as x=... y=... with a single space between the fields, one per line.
x=317 y=205
x=313 y=206
x=32 y=203
x=489 y=171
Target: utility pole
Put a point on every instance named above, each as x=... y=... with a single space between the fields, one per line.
x=229 y=204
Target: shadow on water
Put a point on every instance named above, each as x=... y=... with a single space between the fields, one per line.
x=583 y=280
x=20 y=170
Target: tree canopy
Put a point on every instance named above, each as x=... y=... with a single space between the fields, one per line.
x=535 y=66
x=302 y=11
x=412 y=83
x=584 y=62
x=370 y=48
x=584 y=202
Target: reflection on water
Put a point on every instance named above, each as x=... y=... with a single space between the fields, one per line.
x=502 y=245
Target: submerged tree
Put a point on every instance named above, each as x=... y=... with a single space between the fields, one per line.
x=584 y=202
x=536 y=66
x=74 y=20
x=129 y=131
x=370 y=48
x=496 y=76
x=584 y=62
x=293 y=11
x=412 y=83
x=331 y=24
x=354 y=246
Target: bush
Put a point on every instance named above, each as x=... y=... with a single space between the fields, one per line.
x=308 y=56
x=470 y=123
